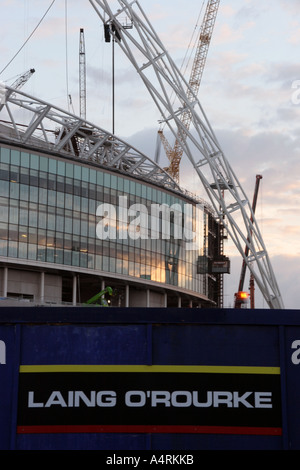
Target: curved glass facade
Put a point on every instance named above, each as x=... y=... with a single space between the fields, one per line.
x=49 y=215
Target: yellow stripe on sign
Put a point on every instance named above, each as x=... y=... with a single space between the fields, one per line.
x=150 y=369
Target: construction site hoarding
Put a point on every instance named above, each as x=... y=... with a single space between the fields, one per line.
x=147 y=379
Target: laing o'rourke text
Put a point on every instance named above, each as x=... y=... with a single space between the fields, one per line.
x=135 y=222
x=154 y=398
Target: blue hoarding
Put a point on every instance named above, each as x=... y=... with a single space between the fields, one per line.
x=149 y=379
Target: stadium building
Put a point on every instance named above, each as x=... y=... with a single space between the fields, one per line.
x=82 y=210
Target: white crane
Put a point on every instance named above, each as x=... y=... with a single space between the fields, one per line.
x=161 y=76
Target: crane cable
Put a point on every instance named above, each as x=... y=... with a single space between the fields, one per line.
x=32 y=33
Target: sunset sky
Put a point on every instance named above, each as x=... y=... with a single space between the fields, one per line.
x=250 y=92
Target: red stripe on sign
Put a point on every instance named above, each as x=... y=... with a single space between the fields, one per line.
x=268 y=431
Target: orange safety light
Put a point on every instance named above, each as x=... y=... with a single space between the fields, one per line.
x=241 y=299
x=243 y=295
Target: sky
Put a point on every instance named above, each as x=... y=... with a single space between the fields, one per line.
x=250 y=91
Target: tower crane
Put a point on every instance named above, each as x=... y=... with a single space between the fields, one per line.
x=82 y=75
x=159 y=73
x=175 y=154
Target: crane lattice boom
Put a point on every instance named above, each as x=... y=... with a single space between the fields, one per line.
x=206 y=31
x=82 y=75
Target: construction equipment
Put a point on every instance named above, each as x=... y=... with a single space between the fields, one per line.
x=99 y=298
x=161 y=76
x=17 y=84
x=241 y=297
x=175 y=154
x=22 y=79
x=82 y=75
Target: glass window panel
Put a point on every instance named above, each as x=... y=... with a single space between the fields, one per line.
x=24 y=160
x=24 y=176
x=13 y=249
x=51 y=198
x=4 y=171
x=42 y=217
x=15 y=157
x=24 y=192
x=13 y=232
x=23 y=215
x=75 y=258
x=107 y=180
x=4 y=188
x=84 y=228
x=52 y=166
x=76 y=226
x=85 y=174
x=68 y=225
x=61 y=168
x=43 y=163
x=14 y=190
x=59 y=223
x=3 y=210
x=69 y=170
x=59 y=256
x=3 y=231
x=22 y=250
x=132 y=187
x=100 y=178
x=77 y=172
x=69 y=201
x=5 y=155
x=60 y=200
x=76 y=203
x=113 y=182
x=3 y=247
x=32 y=236
x=41 y=253
x=93 y=176
x=68 y=257
x=34 y=194
x=34 y=162
x=32 y=251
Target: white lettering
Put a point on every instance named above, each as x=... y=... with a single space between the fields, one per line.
x=165 y=222
x=106 y=228
x=160 y=397
x=296 y=94
x=181 y=399
x=155 y=398
x=237 y=400
x=31 y=402
x=2 y=352
x=140 y=399
x=296 y=354
x=263 y=399
x=56 y=398
x=106 y=399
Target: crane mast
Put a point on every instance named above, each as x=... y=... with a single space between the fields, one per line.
x=175 y=154
x=162 y=78
x=82 y=75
